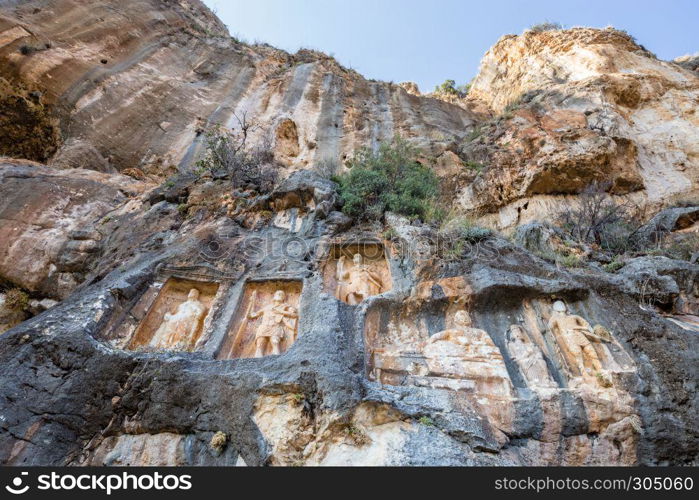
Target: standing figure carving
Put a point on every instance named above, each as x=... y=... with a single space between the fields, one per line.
x=575 y=338
x=278 y=322
x=181 y=328
x=357 y=282
x=528 y=357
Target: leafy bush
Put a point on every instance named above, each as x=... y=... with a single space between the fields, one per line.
x=227 y=152
x=545 y=26
x=389 y=179
x=425 y=420
x=569 y=260
x=449 y=87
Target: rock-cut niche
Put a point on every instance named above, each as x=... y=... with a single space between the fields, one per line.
x=436 y=347
x=266 y=320
x=354 y=272
x=175 y=320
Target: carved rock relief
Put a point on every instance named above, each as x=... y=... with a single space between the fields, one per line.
x=176 y=318
x=355 y=272
x=595 y=368
x=438 y=346
x=266 y=320
x=431 y=344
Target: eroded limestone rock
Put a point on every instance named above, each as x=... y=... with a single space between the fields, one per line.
x=378 y=362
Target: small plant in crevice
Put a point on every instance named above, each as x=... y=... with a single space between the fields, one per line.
x=390 y=234
x=356 y=435
x=425 y=420
x=569 y=260
x=458 y=233
x=614 y=265
x=16 y=300
x=183 y=209
x=218 y=441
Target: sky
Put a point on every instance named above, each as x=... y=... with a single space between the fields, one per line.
x=428 y=42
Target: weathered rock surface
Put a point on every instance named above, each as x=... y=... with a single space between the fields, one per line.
x=50 y=223
x=137 y=81
x=580 y=106
x=395 y=379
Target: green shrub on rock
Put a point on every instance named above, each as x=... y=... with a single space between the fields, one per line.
x=387 y=180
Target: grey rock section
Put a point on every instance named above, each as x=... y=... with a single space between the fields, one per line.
x=50 y=224
x=536 y=237
x=690 y=62
x=666 y=221
x=62 y=389
x=80 y=154
x=658 y=280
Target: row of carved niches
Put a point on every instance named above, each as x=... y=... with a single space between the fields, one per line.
x=266 y=320
x=175 y=317
x=353 y=272
x=547 y=347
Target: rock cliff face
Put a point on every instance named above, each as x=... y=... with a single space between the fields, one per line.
x=578 y=106
x=138 y=81
x=155 y=315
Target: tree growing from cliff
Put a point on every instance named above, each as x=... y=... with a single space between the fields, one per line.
x=389 y=179
x=546 y=26
x=448 y=87
x=228 y=151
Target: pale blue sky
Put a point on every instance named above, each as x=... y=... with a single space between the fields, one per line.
x=429 y=41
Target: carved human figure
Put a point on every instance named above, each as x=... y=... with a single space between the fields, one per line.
x=278 y=321
x=528 y=357
x=358 y=282
x=575 y=337
x=475 y=341
x=180 y=329
x=468 y=353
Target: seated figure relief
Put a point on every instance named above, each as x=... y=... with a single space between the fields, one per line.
x=529 y=358
x=278 y=322
x=576 y=339
x=469 y=353
x=180 y=330
x=357 y=281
